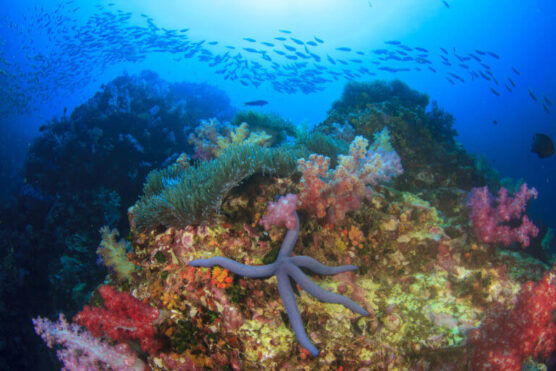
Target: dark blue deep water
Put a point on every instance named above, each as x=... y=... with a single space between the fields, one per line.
x=490 y=64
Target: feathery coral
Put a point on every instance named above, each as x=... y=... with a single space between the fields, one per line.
x=82 y=351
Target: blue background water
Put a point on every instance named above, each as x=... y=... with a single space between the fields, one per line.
x=521 y=32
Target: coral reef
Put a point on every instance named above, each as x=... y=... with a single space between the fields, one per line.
x=286 y=268
x=196 y=194
x=424 y=140
x=429 y=292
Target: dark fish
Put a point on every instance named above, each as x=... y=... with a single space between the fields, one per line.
x=432 y=69
x=279 y=52
x=545 y=108
x=290 y=48
x=485 y=66
x=267 y=43
x=312 y=43
x=330 y=59
x=480 y=52
x=318 y=40
x=356 y=60
x=393 y=42
x=360 y=52
x=547 y=100
x=250 y=50
x=213 y=43
x=542 y=145
x=516 y=71
x=494 y=91
x=344 y=49
x=457 y=77
x=446 y=4
x=451 y=81
x=494 y=55
x=508 y=88
x=484 y=76
x=297 y=41
x=249 y=39
x=444 y=50
x=285 y=31
x=475 y=57
x=511 y=82
x=258 y=102
x=495 y=122
x=421 y=49
x=280 y=38
x=533 y=97
x=230 y=47
x=315 y=57
x=292 y=57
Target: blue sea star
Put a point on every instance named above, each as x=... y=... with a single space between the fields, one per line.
x=287 y=266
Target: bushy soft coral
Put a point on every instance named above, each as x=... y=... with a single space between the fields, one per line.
x=81 y=351
x=506 y=338
x=336 y=192
x=281 y=213
x=492 y=223
x=124 y=318
x=113 y=253
x=212 y=137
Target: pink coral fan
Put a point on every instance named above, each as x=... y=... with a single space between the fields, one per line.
x=333 y=193
x=124 y=318
x=82 y=351
x=281 y=213
x=492 y=223
x=507 y=337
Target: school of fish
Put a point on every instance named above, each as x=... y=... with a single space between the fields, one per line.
x=53 y=53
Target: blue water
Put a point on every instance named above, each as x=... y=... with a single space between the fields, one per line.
x=56 y=55
x=521 y=33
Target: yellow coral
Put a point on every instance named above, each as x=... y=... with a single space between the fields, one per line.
x=114 y=253
x=241 y=135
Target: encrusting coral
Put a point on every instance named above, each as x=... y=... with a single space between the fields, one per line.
x=285 y=267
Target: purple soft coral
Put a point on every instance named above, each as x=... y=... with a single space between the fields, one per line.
x=492 y=222
x=82 y=351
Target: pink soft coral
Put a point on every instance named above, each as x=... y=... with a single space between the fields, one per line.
x=81 y=351
x=281 y=213
x=491 y=223
x=334 y=193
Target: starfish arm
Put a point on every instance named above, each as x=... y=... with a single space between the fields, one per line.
x=320 y=293
x=290 y=240
x=251 y=271
x=319 y=268
x=288 y=299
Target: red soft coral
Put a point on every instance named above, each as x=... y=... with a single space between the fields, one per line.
x=124 y=318
x=507 y=337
